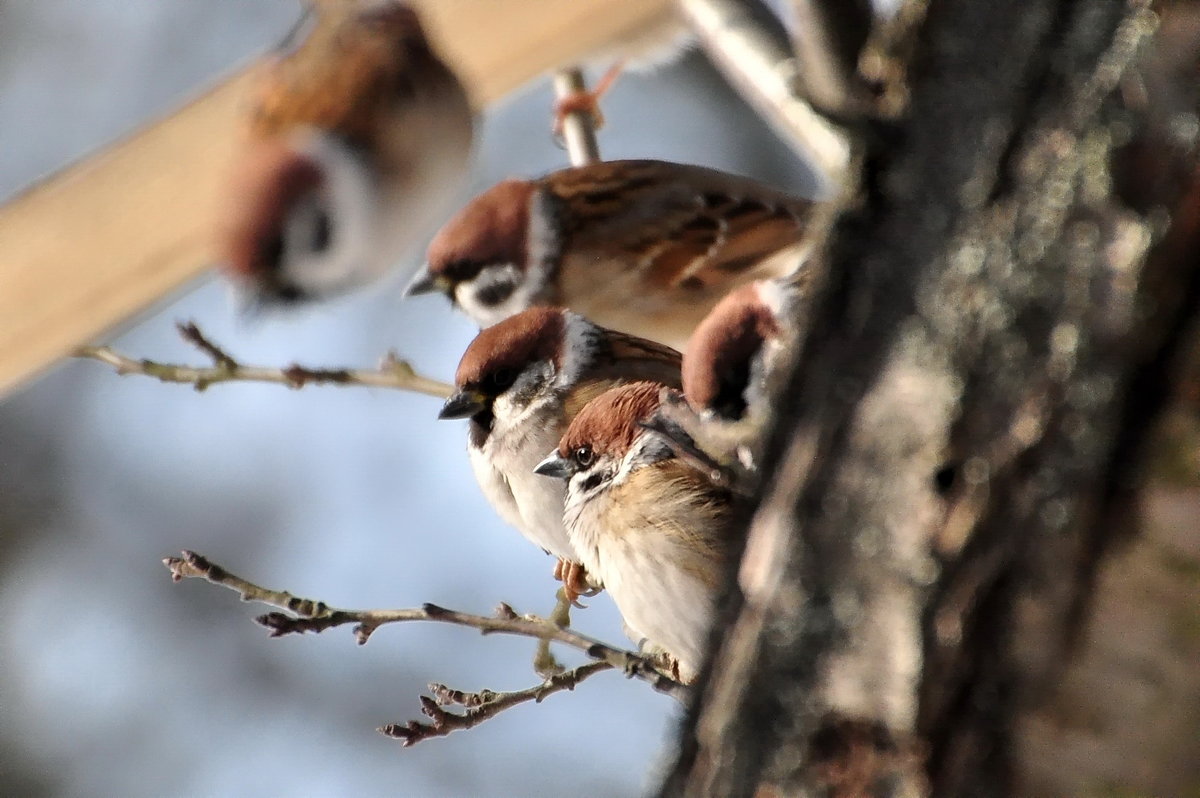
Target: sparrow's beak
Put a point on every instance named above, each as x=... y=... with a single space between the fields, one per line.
x=554 y=466
x=427 y=283
x=463 y=404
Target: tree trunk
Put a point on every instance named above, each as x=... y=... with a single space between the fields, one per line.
x=1006 y=295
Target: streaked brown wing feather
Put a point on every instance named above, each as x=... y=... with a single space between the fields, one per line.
x=626 y=359
x=677 y=224
x=642 y=359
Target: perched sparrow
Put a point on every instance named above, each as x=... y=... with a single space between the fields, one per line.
x=732 y=350
x=521 y=382
x=729 y=357
x=652 y=528
x=644 y=247
x=358 y=141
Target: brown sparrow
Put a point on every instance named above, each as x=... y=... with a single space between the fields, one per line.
x=644 y=247
x=652 y=528
x=725 y=373
x=521 y=382
x=358 y=140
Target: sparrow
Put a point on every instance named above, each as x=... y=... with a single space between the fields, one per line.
x=520 y=382
x=717 y=424
x=357 y=142
x=643 y=247
x=653 y=529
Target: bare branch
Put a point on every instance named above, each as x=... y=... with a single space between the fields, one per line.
x=751 y=48
x=483 y=705
x=392 y=372
x=191 y=333
x=307 y=615
x=544 y=663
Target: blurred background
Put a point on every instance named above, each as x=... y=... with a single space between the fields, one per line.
x=114 y=681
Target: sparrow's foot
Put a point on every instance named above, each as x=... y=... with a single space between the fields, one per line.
x=575 y=580
x=585 y=102
x=662 y=660
x=670 y=666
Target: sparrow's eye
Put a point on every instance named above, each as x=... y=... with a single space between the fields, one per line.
x=503 y=378
x=583 y=456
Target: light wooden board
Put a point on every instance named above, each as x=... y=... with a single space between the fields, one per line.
x=108 y=236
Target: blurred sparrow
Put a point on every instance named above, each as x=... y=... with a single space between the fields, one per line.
x=652 y=528
x=358 y=142
x=521 y=382
x=644 y=247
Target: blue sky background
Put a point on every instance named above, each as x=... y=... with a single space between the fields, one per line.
x=113 y=680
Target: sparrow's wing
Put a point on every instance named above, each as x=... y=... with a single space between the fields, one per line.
x=624 y=359
x=677 y=225
x=641 y=359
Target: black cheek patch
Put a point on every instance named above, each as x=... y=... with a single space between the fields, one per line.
x=290 y=294
x=494 y=294
x=322 y=232
x=270 y=253
x=593 y=482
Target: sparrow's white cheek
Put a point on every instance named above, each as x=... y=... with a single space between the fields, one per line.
x=494 y=295
x=330 y=238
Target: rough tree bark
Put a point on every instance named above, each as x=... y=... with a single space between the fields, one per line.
x=1006 y=293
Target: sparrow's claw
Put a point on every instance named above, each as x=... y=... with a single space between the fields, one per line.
x=664 y=661
x=575 y=581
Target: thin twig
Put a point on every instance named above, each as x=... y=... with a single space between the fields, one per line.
x=483 y=705
x=544 y=663
x=578 y=125
x=392 y=372
x=308 y=615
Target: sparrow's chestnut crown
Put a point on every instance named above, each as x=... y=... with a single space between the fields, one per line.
x=501 y=352
x=611 y=422
x=490 y=230
x=716 y=370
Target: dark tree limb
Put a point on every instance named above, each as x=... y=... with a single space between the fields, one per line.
x=979 y=319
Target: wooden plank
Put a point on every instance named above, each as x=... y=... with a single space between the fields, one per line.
x=106 y=237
